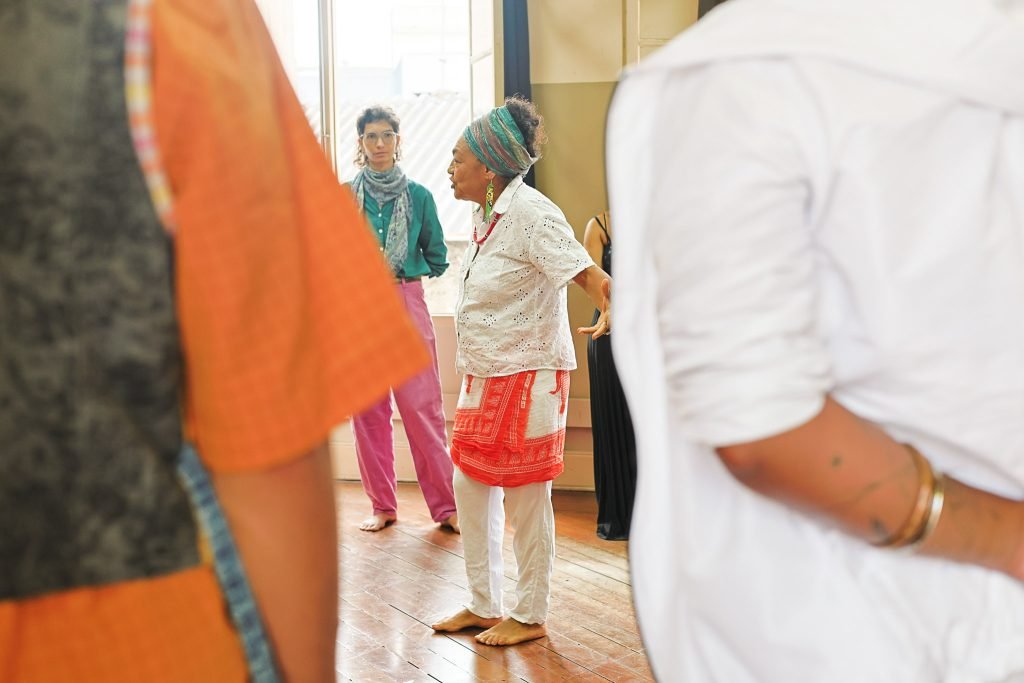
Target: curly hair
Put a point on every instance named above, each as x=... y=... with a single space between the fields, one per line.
x=529 y=121
x=377 y=112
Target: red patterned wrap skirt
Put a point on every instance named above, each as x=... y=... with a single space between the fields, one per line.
x=510 y=430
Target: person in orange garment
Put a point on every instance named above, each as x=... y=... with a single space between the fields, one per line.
x=178 y=267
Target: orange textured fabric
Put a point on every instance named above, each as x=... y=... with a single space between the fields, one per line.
x=289 y=324
x=289 y=319
x=167 y=630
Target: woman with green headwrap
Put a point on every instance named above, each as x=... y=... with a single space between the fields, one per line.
x=515 y=350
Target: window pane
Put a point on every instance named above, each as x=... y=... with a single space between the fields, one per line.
x=411 y=55
x=295 y=27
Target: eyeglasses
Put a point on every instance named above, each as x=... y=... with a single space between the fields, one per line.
x=387 y=137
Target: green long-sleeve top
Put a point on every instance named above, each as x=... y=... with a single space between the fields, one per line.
x=428 y=254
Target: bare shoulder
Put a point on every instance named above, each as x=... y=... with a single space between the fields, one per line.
x=598 y=228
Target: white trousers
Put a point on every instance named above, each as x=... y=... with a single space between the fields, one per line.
x=482 y=519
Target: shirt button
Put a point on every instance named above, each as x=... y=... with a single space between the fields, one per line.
x=380 y=215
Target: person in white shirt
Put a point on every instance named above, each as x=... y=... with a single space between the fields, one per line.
x=515 y=350
x=820 y=277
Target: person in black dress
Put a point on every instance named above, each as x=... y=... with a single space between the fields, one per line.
x=614 y=443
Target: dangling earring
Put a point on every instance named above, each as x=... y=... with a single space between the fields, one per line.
x=489 y=200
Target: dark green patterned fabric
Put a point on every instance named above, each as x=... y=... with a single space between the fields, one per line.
x=90 y=367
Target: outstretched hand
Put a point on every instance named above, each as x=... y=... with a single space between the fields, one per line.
x=603 y=325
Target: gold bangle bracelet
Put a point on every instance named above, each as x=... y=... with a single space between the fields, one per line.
x=934 y=513
x=913 y=528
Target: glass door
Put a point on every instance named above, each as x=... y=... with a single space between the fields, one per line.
x=296 y=27
x=432 y=61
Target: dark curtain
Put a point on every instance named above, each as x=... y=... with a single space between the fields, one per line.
x=517 y=55
x=705 y=6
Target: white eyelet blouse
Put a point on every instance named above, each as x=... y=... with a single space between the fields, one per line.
x=512 y=313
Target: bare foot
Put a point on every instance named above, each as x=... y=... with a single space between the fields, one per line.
x=452 y=523
x=462 y=620
x=378 y=521
x=510 y=632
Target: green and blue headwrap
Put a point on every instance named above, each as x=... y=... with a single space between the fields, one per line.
x=497 y=142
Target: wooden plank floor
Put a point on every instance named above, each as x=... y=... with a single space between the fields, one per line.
x=394 y=583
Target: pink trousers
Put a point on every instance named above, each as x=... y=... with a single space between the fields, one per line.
x=419 y=403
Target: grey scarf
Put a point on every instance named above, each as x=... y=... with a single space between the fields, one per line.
x=384 y=186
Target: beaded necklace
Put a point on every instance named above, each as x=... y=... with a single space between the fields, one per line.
x=490 y=229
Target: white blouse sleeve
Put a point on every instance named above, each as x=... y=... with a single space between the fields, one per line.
x=554 y=249
x=729 y=165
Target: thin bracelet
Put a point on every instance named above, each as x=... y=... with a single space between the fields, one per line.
x=934 y=513
x=912 y=529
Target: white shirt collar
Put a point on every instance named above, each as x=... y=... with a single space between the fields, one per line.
x=501 y=206
x=1012 y=8
x=964 y=48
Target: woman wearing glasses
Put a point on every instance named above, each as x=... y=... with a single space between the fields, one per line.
x=515 y=349
x=403 y=216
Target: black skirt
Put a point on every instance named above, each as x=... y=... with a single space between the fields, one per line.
x=614 y=443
